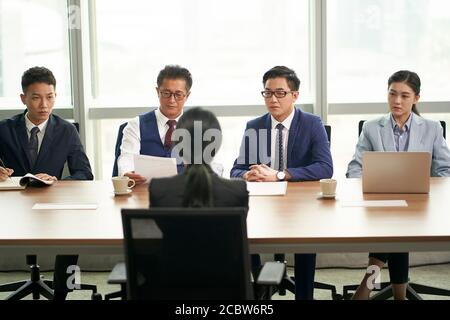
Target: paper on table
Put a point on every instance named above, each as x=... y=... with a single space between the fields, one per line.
x=267 y=188
x=154 y=167
x=375 y=203
x=65 y=206
x=12 y=183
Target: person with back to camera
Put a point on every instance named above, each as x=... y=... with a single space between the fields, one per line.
x=198 y=185
x=402 y=129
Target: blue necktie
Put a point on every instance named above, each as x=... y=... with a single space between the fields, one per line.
x=279 y=155
x=33 y=145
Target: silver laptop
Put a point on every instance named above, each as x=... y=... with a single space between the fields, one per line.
x=396 y=172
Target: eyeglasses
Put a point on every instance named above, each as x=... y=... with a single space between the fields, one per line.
x=177 y=95
x=278 y=93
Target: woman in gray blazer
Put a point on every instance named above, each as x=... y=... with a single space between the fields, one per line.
x=403 y=129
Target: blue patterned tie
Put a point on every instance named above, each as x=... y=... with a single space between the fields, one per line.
x=33 y=145
x=279 y=155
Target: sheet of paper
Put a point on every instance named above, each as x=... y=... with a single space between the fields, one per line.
x=155 y=167
x=65 y=206
x=31 y=177
x=267 y=188
x=375 y=203
x=12 y=183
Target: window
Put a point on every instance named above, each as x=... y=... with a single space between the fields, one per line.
x=370 y=40
x=227 y=46
x=33 y=33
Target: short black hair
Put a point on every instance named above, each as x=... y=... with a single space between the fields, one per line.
x=175 y=72
x=37 y=74
x=283 y=72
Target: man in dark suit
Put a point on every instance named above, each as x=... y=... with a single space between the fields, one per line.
x=150 y=134
x=37 y=141
x=286 y=144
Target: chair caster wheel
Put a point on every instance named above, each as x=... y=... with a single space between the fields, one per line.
x=347 y=296
x=337 y=296
x=96 y=296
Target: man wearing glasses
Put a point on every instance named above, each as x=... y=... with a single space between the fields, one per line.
x=288 y=145
x=151 y=133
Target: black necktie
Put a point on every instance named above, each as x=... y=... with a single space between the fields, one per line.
x=33 y=145
x=168 y=137
x=279 y=154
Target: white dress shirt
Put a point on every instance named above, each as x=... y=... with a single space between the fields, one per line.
x=30 y=125
x=131 y=141
x=287 y=125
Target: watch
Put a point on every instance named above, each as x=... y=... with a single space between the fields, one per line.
x=281 y=175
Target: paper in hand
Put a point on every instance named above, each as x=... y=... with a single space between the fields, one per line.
x=154 y=167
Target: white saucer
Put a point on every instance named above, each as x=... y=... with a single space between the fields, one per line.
x=327 y=196
x=122 y=193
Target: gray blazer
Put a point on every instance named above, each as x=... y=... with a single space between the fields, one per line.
x=425 y=135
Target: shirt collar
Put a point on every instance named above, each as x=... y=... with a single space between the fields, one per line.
x=407 y=123
x=30 y=125
x=162 y=119
x=286 y=123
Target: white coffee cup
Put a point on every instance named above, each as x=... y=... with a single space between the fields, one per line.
x=328 y=187
x=122 y=184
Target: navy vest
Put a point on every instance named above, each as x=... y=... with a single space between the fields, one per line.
x=151 y=144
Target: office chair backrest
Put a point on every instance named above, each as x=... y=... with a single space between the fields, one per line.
x=443 y=124
x=444 y=128
x=328 y=130
x=115 y=171
x=187 y=253
x=77 y=126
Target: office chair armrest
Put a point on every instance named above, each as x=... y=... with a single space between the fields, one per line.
x=271 y=273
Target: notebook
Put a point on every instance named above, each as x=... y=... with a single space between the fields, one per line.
x=12 y=183
x=396 y=172
x=18 y=183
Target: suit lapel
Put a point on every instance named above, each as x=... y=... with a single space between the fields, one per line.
x=268 y=127
x=416 y=134
x=22 y=136
x=387 y=135
x=293 y=130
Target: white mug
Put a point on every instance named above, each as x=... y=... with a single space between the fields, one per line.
x=122 y=184
x=328 y=187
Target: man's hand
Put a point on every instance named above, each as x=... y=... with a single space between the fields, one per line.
x=136 y=177
x=46 y=177
x=261 y=173
x=5 y=173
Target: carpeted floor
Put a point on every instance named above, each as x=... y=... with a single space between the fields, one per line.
x=434 y=275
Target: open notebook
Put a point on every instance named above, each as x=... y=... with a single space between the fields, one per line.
x=17 y=183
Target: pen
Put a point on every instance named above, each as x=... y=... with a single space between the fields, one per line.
x=2 y=164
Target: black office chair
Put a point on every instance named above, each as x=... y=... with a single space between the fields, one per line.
x=77 y=126
x=115 y=171
x=413 y=290
x=190 y=253
x=52 y=290
x=288 y=283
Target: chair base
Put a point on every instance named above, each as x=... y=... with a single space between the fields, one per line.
x=24 y=288
x=413 y=291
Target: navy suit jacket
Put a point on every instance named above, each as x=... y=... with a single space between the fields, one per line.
x=308 y=154
x=61 y=143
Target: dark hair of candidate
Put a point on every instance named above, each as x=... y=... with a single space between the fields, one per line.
x=174 y=72
x=411 y=79
x=37 y=75
x=283 y=72
x=198 y=191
